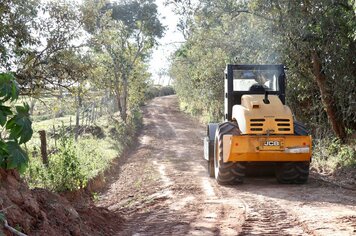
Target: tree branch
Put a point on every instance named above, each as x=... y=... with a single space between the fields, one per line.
x=13 y=230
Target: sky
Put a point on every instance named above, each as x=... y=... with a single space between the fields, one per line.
x=167 y=44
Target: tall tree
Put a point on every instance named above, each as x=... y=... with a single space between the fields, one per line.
x=320 y=44
x=126 y=32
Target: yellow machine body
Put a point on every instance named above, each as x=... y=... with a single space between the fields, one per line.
x=276 y=148
x=267 y=133
x=256 y=117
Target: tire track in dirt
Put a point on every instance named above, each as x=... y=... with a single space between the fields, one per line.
x=310 y=209
x=267 y=218
x=163 y=189
x=191 y=192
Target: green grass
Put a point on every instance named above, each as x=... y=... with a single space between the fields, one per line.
x=56 y=122
x=72 y=164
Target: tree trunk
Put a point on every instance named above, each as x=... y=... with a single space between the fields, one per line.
x=117 y=87
x=116 y=76
x=118 y=98
x=327 y=99
x=124 y=99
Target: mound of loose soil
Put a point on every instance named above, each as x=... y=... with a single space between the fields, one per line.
x=343 y=177
x=40 y=212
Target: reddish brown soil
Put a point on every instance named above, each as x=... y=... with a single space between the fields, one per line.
x=40 y=212
x=162 y=188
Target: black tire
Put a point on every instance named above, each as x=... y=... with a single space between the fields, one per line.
x=294 y=172
x=229 y=172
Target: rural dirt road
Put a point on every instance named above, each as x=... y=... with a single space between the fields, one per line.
x=162 y=188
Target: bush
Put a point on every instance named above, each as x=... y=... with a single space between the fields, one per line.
x=125 y=132
x=166 y=90
x=151 y=92
x=158 y=91
x=331 y=154
x=64 y=171
x=72 y=165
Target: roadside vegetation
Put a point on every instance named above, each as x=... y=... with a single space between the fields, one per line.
x=81 y=69
x=316 y=40
x=77 y=154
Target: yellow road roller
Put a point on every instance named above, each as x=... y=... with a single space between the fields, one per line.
x=259 y=128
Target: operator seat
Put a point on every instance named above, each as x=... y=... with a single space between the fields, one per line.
x=257 y=88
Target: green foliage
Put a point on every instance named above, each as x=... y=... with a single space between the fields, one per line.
x=8 y=88
x=317 y=27
x=157 y=91
x=125 y=132
x=20 y=125
x=137 y=86
x=16 y=16
x=42 y=41
x=260 y=32
x=73 y=164
x=331 y=154
x=16 y=126
x=68 y=176
x=166 y=90
x=151 y=92
x=137 y=16
x=123 y=35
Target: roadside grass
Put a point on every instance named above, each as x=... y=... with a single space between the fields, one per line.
x=73 y=164
x=56 y=122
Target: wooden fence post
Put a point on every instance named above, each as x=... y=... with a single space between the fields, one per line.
x=43 y=147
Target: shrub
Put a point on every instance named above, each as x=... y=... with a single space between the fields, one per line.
x=331 y=154
x=166 y=90
x=157 y=91
x=72 y=164
x=64 y=171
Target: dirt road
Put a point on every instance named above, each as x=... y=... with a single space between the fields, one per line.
x=162 y=188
